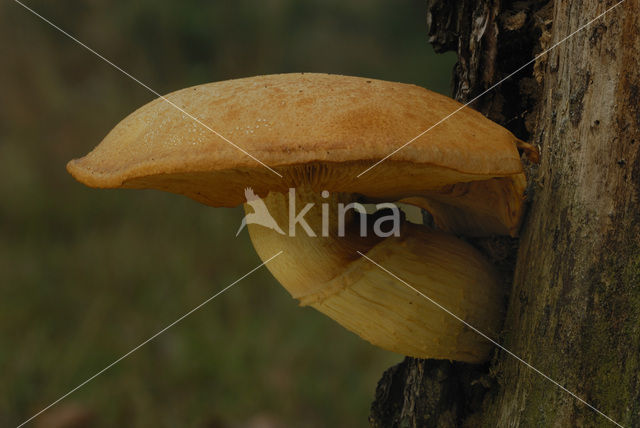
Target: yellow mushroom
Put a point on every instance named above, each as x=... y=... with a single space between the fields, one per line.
x=320 y=132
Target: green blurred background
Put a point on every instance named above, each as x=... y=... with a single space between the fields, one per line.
x=86 y=275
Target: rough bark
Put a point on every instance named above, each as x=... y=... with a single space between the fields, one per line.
x=574 y=306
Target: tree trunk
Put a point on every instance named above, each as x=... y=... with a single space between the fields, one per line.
x=574 y=306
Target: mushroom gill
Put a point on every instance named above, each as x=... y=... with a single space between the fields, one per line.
x=326 y=272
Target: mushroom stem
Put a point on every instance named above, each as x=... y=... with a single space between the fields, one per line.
x=315 y=259
x=327 y=273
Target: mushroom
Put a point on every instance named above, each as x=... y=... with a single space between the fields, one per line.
x=320 y=132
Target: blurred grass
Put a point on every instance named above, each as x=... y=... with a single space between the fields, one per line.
x=86 y=275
